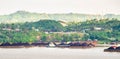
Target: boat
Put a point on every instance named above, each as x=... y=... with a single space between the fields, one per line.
x=112 y=49
x=59 y=44
x=74 y=44
x=25 y=44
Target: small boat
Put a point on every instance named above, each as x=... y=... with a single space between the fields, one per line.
x=51 y=44
x=61 y=45
x=112 y=49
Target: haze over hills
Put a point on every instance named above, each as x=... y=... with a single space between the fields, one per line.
x=23 y=16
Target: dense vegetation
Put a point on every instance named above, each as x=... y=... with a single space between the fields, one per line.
x=104 y=30
x=18 y=37
x=28 y=32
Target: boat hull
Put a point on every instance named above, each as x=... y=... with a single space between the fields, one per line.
x=111 y=50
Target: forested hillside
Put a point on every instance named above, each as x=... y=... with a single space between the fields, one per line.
x=103 y=30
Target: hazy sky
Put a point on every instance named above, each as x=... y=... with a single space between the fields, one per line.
x=61 y=6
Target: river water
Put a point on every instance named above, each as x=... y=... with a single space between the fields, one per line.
x=57 y=53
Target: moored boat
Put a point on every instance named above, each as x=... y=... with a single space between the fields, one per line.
x=112 y=49
x=21 y=45
x=75 y=44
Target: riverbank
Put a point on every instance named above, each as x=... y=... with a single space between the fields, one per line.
x=46 y=44
x=30 y=46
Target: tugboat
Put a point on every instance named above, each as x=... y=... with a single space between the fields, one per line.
x=115 y=47
x=112 y=49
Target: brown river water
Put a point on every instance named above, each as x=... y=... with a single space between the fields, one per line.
x=57 y=53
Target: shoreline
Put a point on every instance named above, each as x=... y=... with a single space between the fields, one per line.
x=30 y=46
x=47 y=45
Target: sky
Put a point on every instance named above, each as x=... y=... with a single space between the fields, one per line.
x=61 y=6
